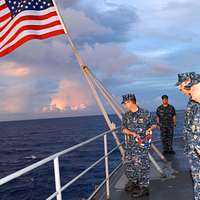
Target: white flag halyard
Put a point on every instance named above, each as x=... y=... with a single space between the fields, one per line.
x=21 y=21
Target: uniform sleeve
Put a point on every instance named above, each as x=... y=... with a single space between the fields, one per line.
x=185 y=134
x=158 y=112
x=185 y=129
x=124 y=122
x=196 y=138
x=196 y=130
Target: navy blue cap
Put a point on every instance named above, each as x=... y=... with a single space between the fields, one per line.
x=164 y=96
x=195 y=79
x=184 y=76
x=128 y=97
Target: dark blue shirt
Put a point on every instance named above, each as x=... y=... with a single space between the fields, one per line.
x=165 y=115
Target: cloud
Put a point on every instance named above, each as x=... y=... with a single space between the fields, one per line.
x=110 y=59
x=81 y=25
x=185 y=59
x=16 y=99
x=118 y=16
x=171 y=20
x=71 y=95
x=128 y=48
x=159 y=69
x=11 y=69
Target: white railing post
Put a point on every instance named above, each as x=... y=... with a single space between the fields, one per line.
x=57 y=178
x=106 y=168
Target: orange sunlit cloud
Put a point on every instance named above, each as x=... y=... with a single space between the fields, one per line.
x=71 y=95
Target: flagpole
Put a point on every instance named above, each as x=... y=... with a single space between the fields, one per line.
x=83 y=68
x=69 y=38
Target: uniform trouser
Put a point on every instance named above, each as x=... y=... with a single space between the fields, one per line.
x=194 y=161
x=137 y=165
x=167 y=134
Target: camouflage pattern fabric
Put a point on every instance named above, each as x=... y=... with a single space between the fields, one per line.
x=187 y=124
x=136 y=162
x=194 y=148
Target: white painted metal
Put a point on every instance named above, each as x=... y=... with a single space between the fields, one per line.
x=158 y=153
x=158 y=168
x=57 y=178
x=106 y=167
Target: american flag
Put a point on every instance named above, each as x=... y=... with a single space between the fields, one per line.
x=23 y=20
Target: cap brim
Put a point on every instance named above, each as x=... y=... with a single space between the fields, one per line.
x=188 y=87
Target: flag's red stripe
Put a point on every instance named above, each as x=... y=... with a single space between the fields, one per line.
x=4 y=6
x=6 y=16
x=23 y=19
x=4 y=26
x=29 y=37
x=30 y=17
x=31 y=27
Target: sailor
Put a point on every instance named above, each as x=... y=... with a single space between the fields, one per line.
x=166 y=121
x=183 y=80
x=136 y=125
x=194 y=137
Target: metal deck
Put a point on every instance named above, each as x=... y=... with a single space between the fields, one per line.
x=174 y=188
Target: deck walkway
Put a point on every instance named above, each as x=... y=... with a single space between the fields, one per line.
x=179 y=187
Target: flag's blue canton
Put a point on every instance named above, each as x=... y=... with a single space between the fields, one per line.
x=17 y=6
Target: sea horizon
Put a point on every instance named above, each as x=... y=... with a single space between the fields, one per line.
x=77 y=116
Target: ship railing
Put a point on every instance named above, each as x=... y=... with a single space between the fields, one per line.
x=55 y=158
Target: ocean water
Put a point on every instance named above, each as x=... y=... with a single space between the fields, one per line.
x=26 y=142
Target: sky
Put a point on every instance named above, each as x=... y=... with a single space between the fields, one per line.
x=132 y=46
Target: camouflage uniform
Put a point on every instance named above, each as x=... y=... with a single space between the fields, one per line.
x=189 y=111
x=194 y=144
x=187 y=124
x=136 y=162
x=165 y=115
x=193 y=138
